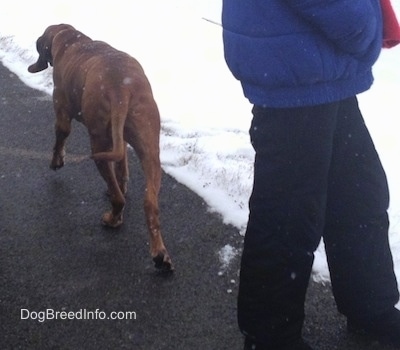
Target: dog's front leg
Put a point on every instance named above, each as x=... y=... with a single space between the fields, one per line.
x=62 y=130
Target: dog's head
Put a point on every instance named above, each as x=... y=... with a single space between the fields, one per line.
x=43 y=46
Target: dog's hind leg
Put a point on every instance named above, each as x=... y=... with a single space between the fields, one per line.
x=152 y=171
x=143 y=135
x=122 y=172
x=112 y=218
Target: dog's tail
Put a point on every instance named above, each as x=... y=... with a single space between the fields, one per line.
x=119 y=113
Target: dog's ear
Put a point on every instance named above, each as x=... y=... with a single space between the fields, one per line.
x=40 y=65
x=44 y=50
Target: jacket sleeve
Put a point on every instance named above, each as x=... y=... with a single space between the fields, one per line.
x=350 y=24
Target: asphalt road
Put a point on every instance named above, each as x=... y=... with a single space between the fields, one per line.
x=55 y=255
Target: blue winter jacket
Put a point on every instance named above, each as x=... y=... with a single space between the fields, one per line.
x=290 y=53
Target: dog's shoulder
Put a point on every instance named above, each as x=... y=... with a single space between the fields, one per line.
x=70 y=36
x=108 y=54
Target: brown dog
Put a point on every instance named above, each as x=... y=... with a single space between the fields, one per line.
x=108 y=92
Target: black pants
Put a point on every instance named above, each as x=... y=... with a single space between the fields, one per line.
x=317 y=174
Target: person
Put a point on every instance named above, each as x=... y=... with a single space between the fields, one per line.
x=317 y=173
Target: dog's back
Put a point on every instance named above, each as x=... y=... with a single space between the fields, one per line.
x=99 y=65
x=97 y=78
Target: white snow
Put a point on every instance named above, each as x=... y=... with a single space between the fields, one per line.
x=205 y=118
x=226 y=254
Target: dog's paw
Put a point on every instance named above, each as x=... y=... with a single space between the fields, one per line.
x=111 y=220
x=57 y=162
x=163 y=262
x=56 y=167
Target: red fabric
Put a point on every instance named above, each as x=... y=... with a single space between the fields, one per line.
x=391 y=28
